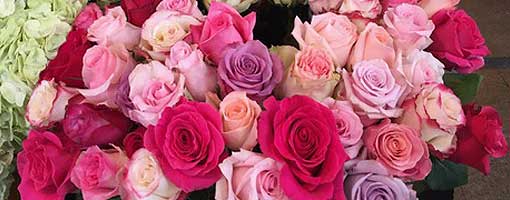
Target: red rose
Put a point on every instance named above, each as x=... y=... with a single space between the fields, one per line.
x=137 y=11
x=44 y=165
x=301 y=133
x=66 y=66
x=188 y=144
x=134 y=141
x=480 y=139
x=88 y=125
x=458 y=42
x=87 y=16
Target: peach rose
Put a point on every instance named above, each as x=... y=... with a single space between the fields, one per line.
x=335 y=33
x=239 y=115
x=113 y=28
x=419 y=68
x=432 y=6
x=373 y=43
x=366 y=8
x=47 y=103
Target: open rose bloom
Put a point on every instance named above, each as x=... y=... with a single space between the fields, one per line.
x=160 y=100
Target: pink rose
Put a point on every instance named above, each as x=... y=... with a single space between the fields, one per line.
x=409 y=26
x=113 y=28
x=87 y=16
x=103 y=68
x=96 y=171
x=162 y=30
x=437 y=112
x=185 y=7
x=239 y=115
x=223 y=26
x=335 y=33
x=249 y=176
x=373 y=89
x=394 y=3
x=366 y=8
x=189 y=61
x=373 y=43
x=399 y=148
x=153 y=87
x=432 y=6
x=310 y=74
x=47 y=103
x=144 y=179
x=348 y=125
x=419 y=68
x=322 y=6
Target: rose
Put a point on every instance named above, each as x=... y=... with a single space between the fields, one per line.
x=419 y=68
x=480 y=139
x=372 y=89
x=409 y=26
x=113 y=28
x=335 y=33
x=153 y=87
x=189 y=61
x=223 y=26
x=366 y=8
x=369 y=180
x=437 y=112
x=240 y=5
x=250 y=176
x=188 y=144
x=348 y=125
x=301 y=134
x=322 y=6
x=87 y=16
x=239 y=115
x=44 y=165
x=185 y=7
x=251 y=68
x=162 y=30
x=95 y=172
x=394 y=3
x=47 y=103
x=373 y=43
x=133 y=141
x=457 y=41
x=137 y=11
x=399 y=149
x=143 y=179
x=67 y=65
x=433 y=6
x=311 y=73
x=121 y=97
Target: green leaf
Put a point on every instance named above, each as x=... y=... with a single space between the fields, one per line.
x=446 y=175
x=465 y=86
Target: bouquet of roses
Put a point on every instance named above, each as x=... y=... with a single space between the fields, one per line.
x=172 y=99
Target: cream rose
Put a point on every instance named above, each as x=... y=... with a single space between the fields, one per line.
x=47 y=103
x=419 y=68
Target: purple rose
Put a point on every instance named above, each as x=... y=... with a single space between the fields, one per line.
x=251 y=68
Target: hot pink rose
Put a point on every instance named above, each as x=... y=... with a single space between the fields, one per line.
x=335 y=33
x=374 y=42
x=87 y=16
x=399 y=148
x=113 y=28
x=366 y=8
x=103 y=68
x=153 y=87
x=322 y=6
x=96 y=172
x=223 y=26
x=185 y=7
x=189 y=61
x=409 y=26
x=249 y=176
x=432 y=6
x=394 y=3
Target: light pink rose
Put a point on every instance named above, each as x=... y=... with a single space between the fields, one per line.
x=103 y=69
x=419 y=68
x=437 y=112
x=322 y=6
x=185 y=7
x=335 y=33
x=409 y=26
x=365 y=8
x=189 y=61
x=96 y=173
x=311 y=73
x=372 y=89
x=394 y=3
x=239 y=115
x=249 y=176
x=47 y=103
x=162 y=30
x=153 y=87
x=113 y=28
x=373 y=43
x=143 y=179
x=432 y=6
x=348 y=124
